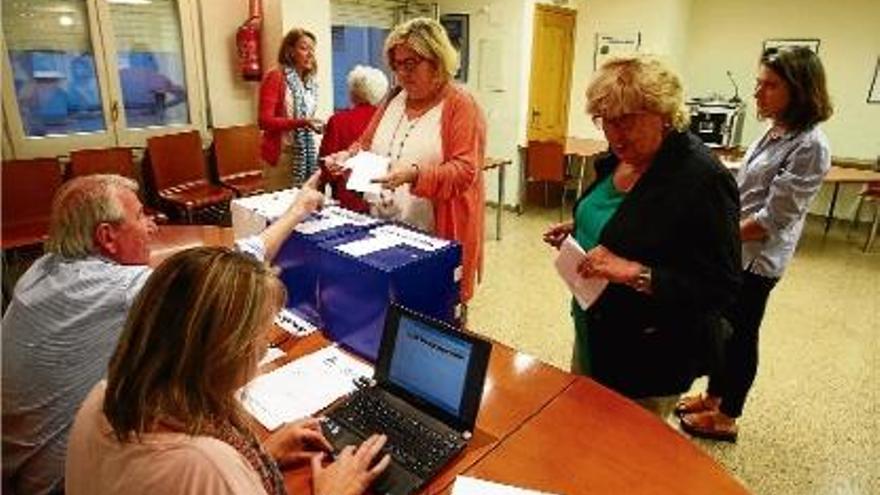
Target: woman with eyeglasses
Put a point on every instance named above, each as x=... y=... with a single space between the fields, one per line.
x=288 y=100
x=435 y=135
x=168 y=420
x=660 y=224
x=781 y=174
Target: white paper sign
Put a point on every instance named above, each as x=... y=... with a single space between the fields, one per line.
x=465 y=485
x=585 y=290
x=302 y=387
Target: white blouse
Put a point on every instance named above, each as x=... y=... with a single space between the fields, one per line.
x=408 y=141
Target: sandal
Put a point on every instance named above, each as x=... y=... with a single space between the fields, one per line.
x=713 y=425
x=696 y=403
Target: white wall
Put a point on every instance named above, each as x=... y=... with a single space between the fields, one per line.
x=233 y=100
x=499 y=22
x=663 y=25
x=729 y=35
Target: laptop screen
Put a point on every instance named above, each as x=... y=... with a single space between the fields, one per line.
x=430 y=364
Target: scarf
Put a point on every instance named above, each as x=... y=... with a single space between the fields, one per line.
x=248 y=446
x=305 y=155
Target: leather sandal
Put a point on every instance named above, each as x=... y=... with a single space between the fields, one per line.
x=696 y=403
x=713 y=425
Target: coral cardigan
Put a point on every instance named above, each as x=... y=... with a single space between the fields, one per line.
x=455 y=186
x=273 y=118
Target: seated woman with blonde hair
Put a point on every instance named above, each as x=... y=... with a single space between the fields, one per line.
x=167 y=419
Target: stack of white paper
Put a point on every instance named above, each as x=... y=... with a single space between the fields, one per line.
x=302 y=387
x=253 y=214
x=412 y=238
x=465 y=485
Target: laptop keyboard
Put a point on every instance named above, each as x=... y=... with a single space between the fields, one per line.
x=411 y=443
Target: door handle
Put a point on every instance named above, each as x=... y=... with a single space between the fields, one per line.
x=114 y=111
x=535 y=115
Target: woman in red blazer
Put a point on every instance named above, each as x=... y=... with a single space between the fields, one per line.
x=288 y=99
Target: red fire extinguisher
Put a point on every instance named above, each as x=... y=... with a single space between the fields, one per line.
x=247 y=40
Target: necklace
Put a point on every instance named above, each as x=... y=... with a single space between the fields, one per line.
x=402 y=144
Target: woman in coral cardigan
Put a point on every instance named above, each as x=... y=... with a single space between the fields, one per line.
x=435 y=134
x=288 y=99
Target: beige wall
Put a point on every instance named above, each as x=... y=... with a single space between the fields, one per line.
x=729 y=35
x=233 y=100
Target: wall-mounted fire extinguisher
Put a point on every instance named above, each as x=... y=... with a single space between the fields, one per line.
x=247 y=40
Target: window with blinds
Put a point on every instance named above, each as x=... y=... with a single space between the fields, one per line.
x=359 y=29
x=92 y=73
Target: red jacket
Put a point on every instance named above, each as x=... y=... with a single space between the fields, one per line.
x=273 y=118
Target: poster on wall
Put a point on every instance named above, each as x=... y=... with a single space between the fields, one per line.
x=779 y=43
x=874 y=91
x=457 y=28
x=609 y=45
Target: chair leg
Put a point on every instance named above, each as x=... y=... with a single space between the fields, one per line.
x=855 y=221
x=546 y=194
x=873 y=232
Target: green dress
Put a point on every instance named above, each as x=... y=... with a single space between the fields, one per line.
x=590 y=217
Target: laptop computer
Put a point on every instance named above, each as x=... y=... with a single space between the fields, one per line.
x=424 y=395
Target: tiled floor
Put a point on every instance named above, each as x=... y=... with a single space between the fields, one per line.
x=811 y=422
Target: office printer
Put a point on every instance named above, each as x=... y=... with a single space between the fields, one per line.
x=718 y=122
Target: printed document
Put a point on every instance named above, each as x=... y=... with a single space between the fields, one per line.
x=302 y=387
x=365 y=167
x=585 y=290
x=465 y=485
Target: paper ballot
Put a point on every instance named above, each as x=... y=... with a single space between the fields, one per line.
x=302 y=387
x=465 y=485
x=585 y=290
x=365 y=167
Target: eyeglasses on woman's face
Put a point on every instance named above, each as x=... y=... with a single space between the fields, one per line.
x=621 y=123
x=407 y=64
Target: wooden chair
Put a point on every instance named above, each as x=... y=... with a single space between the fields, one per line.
x=546 y=162
x=108 y=161
x=870 y=194
x=102 y=161
x=28 y=189
x=176 y=172
x=235 y=156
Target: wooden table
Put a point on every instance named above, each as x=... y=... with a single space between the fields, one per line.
x=590 y=440
x=582 y=147
x=575 y=148
x=518 y=386
x=501 y=164
x=538 y=427
x=842 y=175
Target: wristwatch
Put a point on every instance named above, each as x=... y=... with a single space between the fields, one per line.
x=642 y=282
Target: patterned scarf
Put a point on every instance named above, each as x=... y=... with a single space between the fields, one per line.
x=248 y=446
x=306 y=156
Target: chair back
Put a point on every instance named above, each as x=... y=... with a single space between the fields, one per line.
x=28 y=189
x=175 y=160
x=545 y=161
x=236 y=150
x=102 y=161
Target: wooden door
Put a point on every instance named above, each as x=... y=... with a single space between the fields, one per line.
x=550 y=87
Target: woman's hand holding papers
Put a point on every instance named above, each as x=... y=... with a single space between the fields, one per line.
x=296 y=442
x=557 y=233
x=351 y=473
x=601 y=262
x=398 y=175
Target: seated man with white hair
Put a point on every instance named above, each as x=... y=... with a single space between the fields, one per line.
x=366 y=88
x=68 y=310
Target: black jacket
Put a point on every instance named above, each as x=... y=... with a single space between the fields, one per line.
x=681 y=219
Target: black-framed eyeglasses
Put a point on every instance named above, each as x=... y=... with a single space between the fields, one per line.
x=407 y=64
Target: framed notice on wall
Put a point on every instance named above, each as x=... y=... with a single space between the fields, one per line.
x=874 y=90
x=610 y=45
x=457 y=28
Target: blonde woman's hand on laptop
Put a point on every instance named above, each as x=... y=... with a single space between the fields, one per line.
x=351 y=473
x=296 y=442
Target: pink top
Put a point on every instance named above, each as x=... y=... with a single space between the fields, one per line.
x=98 y=464
x=454 y=186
